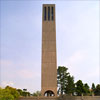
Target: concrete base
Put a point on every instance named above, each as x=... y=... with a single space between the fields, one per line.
x=37 y=98
x=67 y=98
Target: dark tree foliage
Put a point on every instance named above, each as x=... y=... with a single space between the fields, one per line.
x=93 y=87
x=86 y=89
x=82 y=88
x=70 y=86
x=79 y=88
x=67 y=86
x=97 y=90
x=24 y=90
x=37 y=93
x=65 y=81
x=20 y=91
x=25 y=93
x=62 y=79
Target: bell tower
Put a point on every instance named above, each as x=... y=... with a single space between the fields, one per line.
x=49 y=62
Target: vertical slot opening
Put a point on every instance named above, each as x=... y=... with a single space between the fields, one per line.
x=48 y=13
x=52 y=13
x=44 y=13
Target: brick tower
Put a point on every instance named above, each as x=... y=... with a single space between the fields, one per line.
x=49 y=62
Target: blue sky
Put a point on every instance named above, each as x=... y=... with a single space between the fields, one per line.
x=77 y=31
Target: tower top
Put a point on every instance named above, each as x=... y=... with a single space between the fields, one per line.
x=48 y=12
x=48 y=4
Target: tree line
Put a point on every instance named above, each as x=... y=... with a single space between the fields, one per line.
x=10 y=93
x=66 y=85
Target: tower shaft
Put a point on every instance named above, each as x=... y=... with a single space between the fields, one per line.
x=49 y=63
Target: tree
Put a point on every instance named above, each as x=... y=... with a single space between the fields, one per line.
x=5 y=94
x=86 y=89
x=13 y=91
x=20 y=92
x=97 y=90
x=24 y=90
x=93 y=87
x=62 y=79
x=79 y=88
x=37 y=93
x=70 y=86
x=25 y=93
x=10 y=93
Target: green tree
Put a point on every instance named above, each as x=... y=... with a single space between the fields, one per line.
x=5 y=94
x=13 y=91
x=97 y=90
x=25 y=93
x=62 y=79
x=93 y=87
x=10 y=93
x=70 y=86
x=20 y=92
x=79 y=88
x=86 y=89
x=24 y=90
x=28 y=94
x=37 y=93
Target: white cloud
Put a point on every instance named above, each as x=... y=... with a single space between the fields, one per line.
x=6 y=83
x=22 y=70
x=77 y=57
x=28 y=74
x=6 y=63
x=92 y=73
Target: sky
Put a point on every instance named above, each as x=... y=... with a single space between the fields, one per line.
x=77 y=38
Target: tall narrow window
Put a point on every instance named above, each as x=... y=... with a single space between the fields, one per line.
x=48 y=13
x=44 y=13
x=52 y=13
